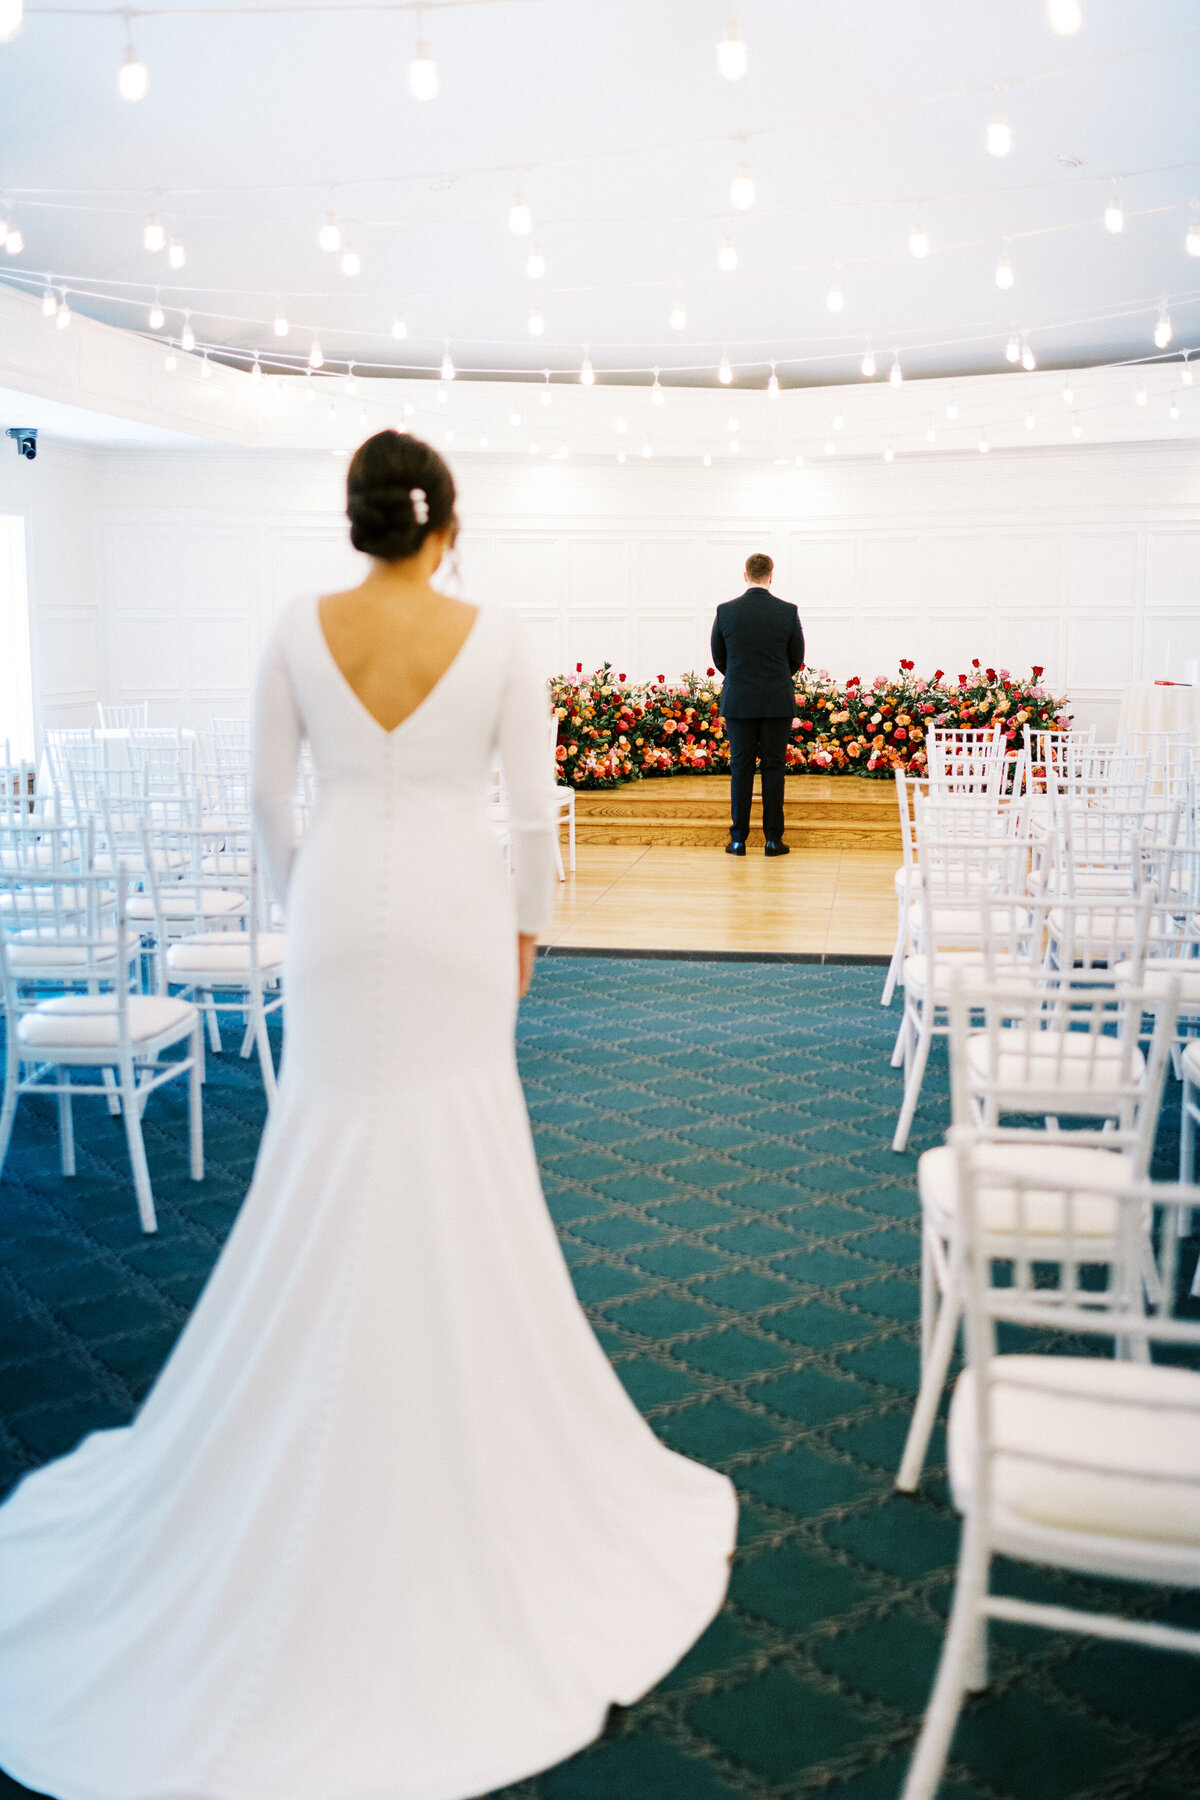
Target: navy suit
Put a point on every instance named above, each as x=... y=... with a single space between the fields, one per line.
x=758 y=645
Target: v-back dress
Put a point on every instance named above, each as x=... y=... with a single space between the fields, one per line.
x=387 y=1527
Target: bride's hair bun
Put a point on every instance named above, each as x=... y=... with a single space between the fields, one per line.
x=398 y=490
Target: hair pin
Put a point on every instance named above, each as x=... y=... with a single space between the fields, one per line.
x=420 y=505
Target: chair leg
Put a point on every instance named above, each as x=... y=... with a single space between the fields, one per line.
x=248 y=1034
x=132 y=1109
x=8 y=1110
x=558 y=861
x=265 y=1059
x=933 y=1381
x=571 y=840
x=916 y=1075
x=900 y=1047
x=894 y=967
x=959 y=1662
x=1187 y=1132
x=214 y=1029
x=114 y=1098
x=196 y=1102
x=66 y=1124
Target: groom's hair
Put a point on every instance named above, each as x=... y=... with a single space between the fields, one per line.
x=759 y=567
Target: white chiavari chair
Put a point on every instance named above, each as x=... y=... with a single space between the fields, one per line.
x=1065 y=1461
x=906 y=879
x=78 y=940
x=565 y=802
x=124 y=718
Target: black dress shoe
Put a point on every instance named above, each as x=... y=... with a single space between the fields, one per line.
x=776 y=847
x=735 y=847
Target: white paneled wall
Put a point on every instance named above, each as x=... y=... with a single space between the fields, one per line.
x=158 y=574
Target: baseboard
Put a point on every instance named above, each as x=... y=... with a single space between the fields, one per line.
x=847 y=959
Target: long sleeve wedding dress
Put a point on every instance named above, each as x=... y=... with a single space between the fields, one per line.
x=387 y=1526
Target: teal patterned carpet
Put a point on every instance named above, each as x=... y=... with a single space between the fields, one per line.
x=714 y=1143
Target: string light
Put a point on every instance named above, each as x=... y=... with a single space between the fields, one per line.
x=520 y=218
x=206 y=373
x=448 y=369
x=657 y=392
x=1076 y=429
x=12 y=14
x=399 y=326
x=999 y=133
x=587 y=375
x=984 y=446
x=1004 y=271
x=918 y=239
x=49 y=303
x=838 y=421
x=329 y=237
x=1068 y=395
x=951 y=410
x=1114 y=214
x=835 y=300
x=535 y=267
x=735 y=446
x=895 y=373
x=1140 y=397
x=175 y=254
x=731 y=53
x=187 y=337
x=888 y=453
x=724 y=372
x=727 y=259
x=14 y=243
x=867 y=365
x=1030 y=421
x=537 y=324
x=351 y=384
x=545 y=396
x=315 y=359
x=707 y=460
x=1162 y=330
x=154 y=238
x=351 y=262
x=280 y=326
x=1065 y=16
x=1191 y=242
x=741 y=189
x=256 y=374
x=422 y=70
x=132 y=77
x=830 y=447
x=1028 y=359
x=171 y=361
x=156 y=318
x=620 y=456
x=1012 y=350
x=647 y=452
x=731 y=425
x=1185 y=373
x=773 y=385
x=931 y=433
x=64 y=313
x=678 y=318
x=1173 y=410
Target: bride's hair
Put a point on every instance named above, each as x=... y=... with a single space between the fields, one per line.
x=398 y=490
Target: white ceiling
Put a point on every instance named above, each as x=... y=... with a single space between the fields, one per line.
x=254 y=114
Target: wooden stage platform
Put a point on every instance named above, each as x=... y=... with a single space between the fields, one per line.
x=823 y=812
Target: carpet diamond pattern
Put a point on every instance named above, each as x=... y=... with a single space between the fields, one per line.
x=714 y=1144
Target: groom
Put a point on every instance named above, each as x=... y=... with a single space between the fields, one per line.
x=758 y=645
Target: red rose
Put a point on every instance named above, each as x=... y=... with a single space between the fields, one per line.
x=662 y=678
x=900 y=733
x=990 y=673
x=579 y=668
x=710 y=671
x=962 y=681
x=938 y=673
x=806 y=724
x=620 y=677
x=1038 y=670
x=974 y=662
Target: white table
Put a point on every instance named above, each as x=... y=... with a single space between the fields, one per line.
x=1147 y=707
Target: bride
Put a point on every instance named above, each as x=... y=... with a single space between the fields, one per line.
x=387 y=1527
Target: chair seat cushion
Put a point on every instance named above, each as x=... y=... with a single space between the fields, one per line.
x=1055 y=1061
x=1191 y=1061
x=209 y=903
x=223 y=953
x=1159 y=973
x=1136 y=1424
x=30 y=949
x=1016 y=979
x=1093 y=1211
x=89 y=1021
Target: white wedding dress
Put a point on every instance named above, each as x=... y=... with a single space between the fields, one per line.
x=387 y=1527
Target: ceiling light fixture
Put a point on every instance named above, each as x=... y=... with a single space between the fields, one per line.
x=329 y=237
x=678 y=318
x=132 y=77
x=1065 y=16
x=999 y=133
x=520 y=218
x=537 y=324
x=1114 y=214
x=535 y=266
x=1004 y=271
x=727 y=259
x=731 y=53
x=154 y=238
x=918 y=238
x=724 y=371
x=741 y=188
x=351 y=262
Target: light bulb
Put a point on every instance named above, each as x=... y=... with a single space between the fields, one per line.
x=1068 y=395
x=798 y=460
x=544 y=397
x=724 y=372
x=830 y=447
x=536 y=323
x=422 y=73
x=1162 y=330
x=14 y=243
x=329 y=237
x=657 y=392
x=1004 y=272
x=206 y=372
x=647 y=452
x=448 y=369
x=620 y=425
x=351 y=262
x=535 y=267
x=895 y=373
x=707 y=460
x=741 y=189
x=731 y=53
x=49 y=303
x=620 y=456
x=156 y=318
x=587 y=375
x=678 y=318
x=132 y=78
x=154 y=238
x=281 y=326
x=351 y=385
x=520 y=218
x=12 y=13
x=1077 y=430
x=1030 y=421
x=867 y=365
x=256 y=370
x=727 y=256
x=1140 y=397
x=731 y=424
x=918 y=239
x=399 y=326
x=1028 y=359
x=1191 y=242
x=773 y=386
x=176 y=256
x=835 y=300
x=888 y=453
x=1185 y=373
x=187 y=337
x=931 y=435
x=734 y=446
x=315 y=359
x=483 y=443
x=1114 y=215
x=1012 y=350
x=1173 y=410
x=64 y=314
x=838 y=421
x=171 y=361
x=1065 y=16
x=951 y=410
x=983 y=446
x=999 y=133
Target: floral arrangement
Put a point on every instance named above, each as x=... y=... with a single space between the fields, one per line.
x=610 y=731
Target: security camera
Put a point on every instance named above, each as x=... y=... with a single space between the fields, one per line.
x=25 y=438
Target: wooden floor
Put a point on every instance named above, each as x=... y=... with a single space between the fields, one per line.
x=678 y=897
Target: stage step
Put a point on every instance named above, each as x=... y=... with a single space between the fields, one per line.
x=826 y=812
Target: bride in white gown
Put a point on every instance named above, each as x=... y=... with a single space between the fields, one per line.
x=387 y=1527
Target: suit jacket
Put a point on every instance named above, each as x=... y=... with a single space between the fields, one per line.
x=758 y=645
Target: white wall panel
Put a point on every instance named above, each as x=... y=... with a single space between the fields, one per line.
x=146 y=656
x=597 y=572
x=543 y=633
x=669 y=644
x=1103 y=569
x=822 y=570
x=1100 y=651
x=664 y=573
x=69 y=659
x=528 y=570
x=597 y=638
x=1173 y=577
x=1169 y=642
x=1026 y=571
x=893 y=572
x=310 y=559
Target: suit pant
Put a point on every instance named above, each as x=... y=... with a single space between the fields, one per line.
x=754 y=741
